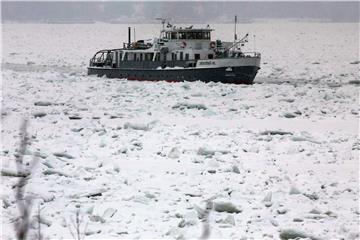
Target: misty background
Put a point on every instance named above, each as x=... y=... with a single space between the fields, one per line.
x=201 y=12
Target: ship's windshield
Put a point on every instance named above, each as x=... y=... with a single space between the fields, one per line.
x=199 y=35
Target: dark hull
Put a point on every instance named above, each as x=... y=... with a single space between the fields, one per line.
x=238 y=75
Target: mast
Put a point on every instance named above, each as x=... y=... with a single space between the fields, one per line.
x=163 y=20
x=254 y=43
x=235 y=35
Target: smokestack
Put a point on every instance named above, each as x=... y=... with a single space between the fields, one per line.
x=129 y=36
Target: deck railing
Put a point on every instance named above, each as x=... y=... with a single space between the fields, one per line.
x=252 y=54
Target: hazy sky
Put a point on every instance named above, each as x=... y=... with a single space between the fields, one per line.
x=178 y=11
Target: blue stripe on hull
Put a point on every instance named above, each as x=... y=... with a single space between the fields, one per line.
x=239 y=75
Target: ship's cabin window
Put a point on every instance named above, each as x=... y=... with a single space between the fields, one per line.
x=197 y=56
x=191 y=35
x=181 y=56
x=171 y=35
x=149 y=56
x=186 y=56
x=174 y=35
x=206 y=35
x=210 y=56
x=173 y=56
x=130 y=57
x=182 y=35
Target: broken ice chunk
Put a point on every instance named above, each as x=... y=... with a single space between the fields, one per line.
x=222 y=205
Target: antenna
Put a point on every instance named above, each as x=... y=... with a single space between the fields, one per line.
x=134 y=36
x=163 y=20
x=254 y=44
x=235 y=35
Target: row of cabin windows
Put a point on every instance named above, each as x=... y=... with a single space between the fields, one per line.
x=150 y=56
x=174 y=57
x=158 y=76
x=139 y=57
x=181 y=56
x=188 y=35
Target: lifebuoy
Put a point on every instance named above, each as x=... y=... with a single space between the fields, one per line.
x=212 y=44
x=183 y=45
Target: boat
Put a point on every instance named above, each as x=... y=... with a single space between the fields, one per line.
x=179 y=54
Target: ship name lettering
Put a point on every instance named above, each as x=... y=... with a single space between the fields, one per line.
x=207 y=63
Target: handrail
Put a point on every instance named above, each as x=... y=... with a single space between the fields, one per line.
x=254 y=54
x=238 y=54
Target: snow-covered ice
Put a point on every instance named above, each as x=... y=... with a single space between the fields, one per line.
x=141 y=159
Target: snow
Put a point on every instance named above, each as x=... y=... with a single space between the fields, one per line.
x=143 y=159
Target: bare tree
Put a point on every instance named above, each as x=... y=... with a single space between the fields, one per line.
x=206 y=225
x=22 y=226
x=75 y=227
x=38 y=218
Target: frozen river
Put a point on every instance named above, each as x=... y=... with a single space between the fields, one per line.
x=143 y=158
